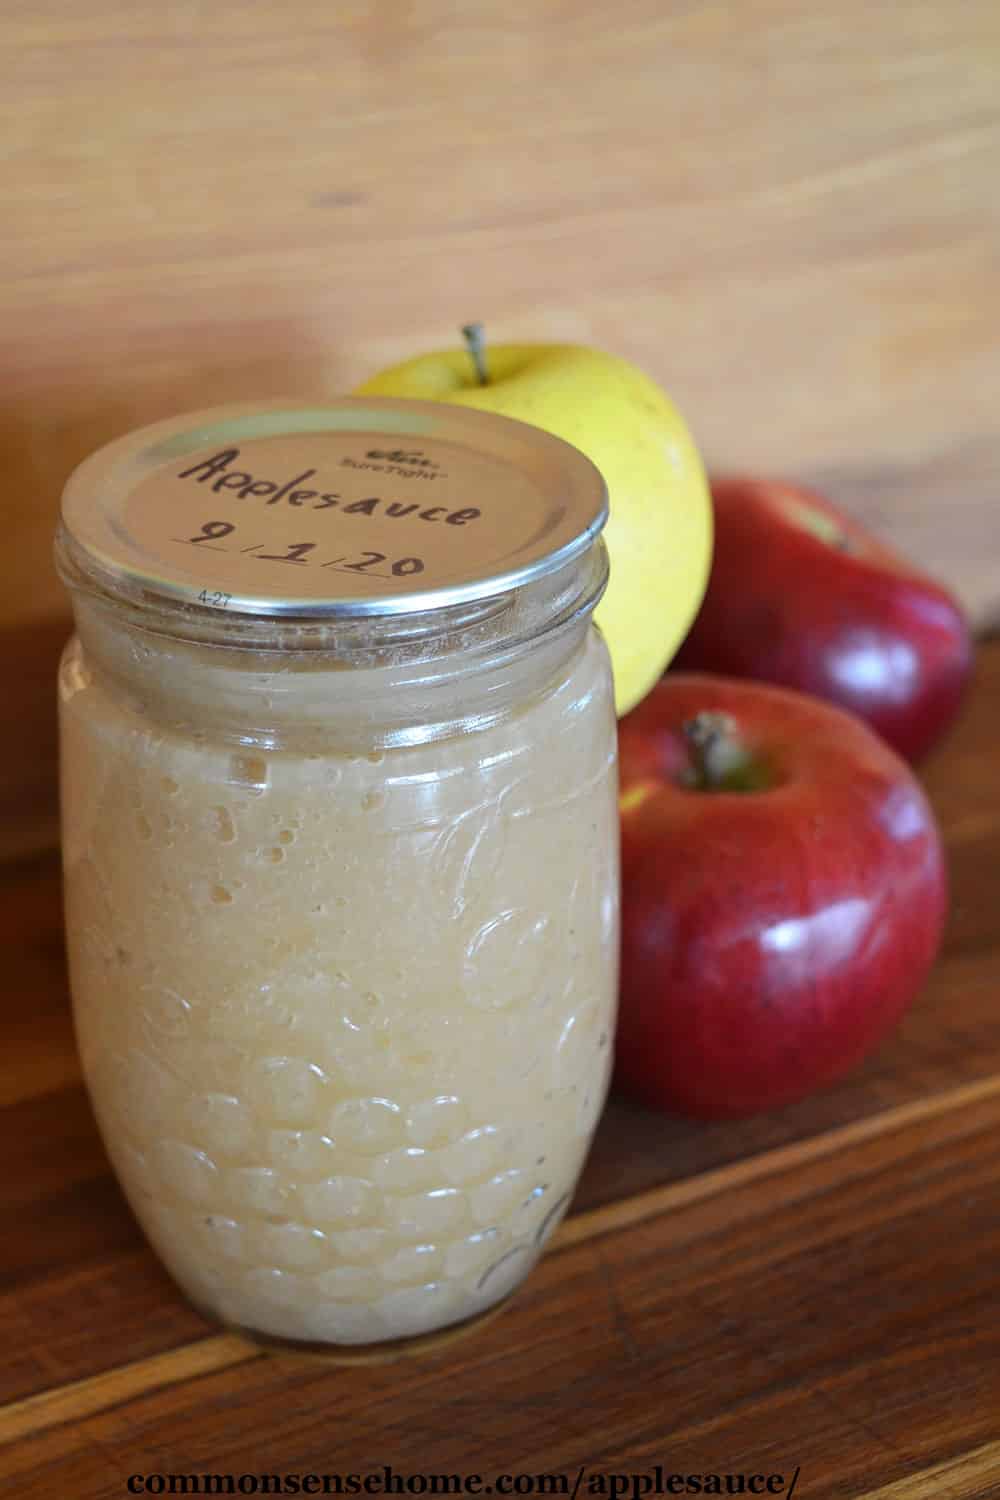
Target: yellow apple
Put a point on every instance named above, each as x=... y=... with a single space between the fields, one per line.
x=659 y=532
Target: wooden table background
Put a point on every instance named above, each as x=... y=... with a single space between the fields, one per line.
x=816 y=1287
x=788 y=213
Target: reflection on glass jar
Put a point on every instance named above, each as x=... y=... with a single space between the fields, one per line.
x=342 y=911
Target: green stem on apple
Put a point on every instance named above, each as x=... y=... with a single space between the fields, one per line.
x=823 y=527
x=720 y=762
x=475 y=342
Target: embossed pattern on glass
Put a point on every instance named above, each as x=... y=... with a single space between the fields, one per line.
x=345 y=1017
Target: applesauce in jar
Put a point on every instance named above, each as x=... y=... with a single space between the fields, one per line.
x=340 y=850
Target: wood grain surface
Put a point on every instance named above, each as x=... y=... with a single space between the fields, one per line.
x=816 y=1288
x=786 y=212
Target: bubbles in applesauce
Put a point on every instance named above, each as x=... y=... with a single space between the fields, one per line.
x=249 y=771
x=223 y=825
x=306 y=1134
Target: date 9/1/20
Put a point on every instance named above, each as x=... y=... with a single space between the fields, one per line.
x=212 y=533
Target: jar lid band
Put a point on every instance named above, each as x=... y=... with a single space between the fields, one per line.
x=363 y=507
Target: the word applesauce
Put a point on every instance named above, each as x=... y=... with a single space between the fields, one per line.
x=340 y=855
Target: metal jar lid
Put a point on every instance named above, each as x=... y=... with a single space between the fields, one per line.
x=362 y=507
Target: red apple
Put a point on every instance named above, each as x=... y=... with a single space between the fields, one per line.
x=805 y=597
x=783 y=895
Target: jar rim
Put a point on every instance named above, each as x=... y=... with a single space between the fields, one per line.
x=540 y=504
x=506 y=621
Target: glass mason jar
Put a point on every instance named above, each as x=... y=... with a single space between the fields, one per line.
x=340 y=849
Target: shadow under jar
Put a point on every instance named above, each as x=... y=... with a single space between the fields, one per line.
x=340 y=848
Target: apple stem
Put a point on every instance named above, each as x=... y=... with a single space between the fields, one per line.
x=720 y=760
x=475 y=342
